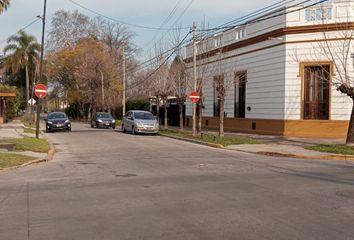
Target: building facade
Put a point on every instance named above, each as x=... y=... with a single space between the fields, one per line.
x=281 y=72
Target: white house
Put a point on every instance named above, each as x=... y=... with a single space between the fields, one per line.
x=280 y=72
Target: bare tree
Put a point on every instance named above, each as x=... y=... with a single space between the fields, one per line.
x=178 y=80
x=161 y=86
x=339 y=52
x=68 y=28
x=332 y=56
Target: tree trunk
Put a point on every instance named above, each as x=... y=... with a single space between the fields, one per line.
x=350 y=135
x=165 y=115
x=158 y=109
x=181 y=119
x=27 y=89
x=221 y=126
x=200 y=115
x=89 y=113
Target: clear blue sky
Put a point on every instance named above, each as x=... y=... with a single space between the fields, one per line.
x=142 y=12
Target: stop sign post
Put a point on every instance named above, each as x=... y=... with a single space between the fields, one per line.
x=194 y=97
x=40 y=91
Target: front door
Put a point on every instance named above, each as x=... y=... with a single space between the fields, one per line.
x=316 y=92
x=240 y=95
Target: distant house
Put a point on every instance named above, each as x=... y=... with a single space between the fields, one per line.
x=277 y=78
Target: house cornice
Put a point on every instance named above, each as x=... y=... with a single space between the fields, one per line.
x=275 y=34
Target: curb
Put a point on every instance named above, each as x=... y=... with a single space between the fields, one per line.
x=318 y=157
x=213 y=145
x=50 y=155
x=272 y=154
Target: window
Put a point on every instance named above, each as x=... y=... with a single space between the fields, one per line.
x=318 y=14
x=217 y=41
x=218 y=91
x=240 y=33
x=316 y=92
x=240 y=94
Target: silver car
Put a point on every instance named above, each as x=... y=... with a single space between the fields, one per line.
x=140 y=122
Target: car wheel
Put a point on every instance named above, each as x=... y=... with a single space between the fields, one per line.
x=113 y=127
x=97 y=125
x=69 y=129
x=92 y=126
x=133 y=131
x=123 y=129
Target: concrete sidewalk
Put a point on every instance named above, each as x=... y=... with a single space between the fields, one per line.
x=15 y=129
x=284 y=146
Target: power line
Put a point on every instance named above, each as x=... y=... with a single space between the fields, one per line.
x=140 y=66
x=225 y=28
x=260 y=11
x=175 y=22
x=257 y=20
x=296 y=10
x=122 y=22
x=164 y=22
x=24 y=28
x=266 y=10
x=162 y=64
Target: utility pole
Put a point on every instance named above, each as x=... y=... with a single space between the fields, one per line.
x=41 y=67
x=102 y=84
x=124 y=80
x=194 y=79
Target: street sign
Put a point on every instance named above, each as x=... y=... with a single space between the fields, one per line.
x=194 y=97
x=40 y=90
x=31 y=102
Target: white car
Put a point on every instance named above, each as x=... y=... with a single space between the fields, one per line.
x=140 y=122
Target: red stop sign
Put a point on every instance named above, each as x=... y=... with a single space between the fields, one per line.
x=40 y=90
x=194 y=97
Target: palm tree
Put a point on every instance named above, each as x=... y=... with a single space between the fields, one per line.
x=21 y=53
x=4 y=4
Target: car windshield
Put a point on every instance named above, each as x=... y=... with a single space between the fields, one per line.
x=104 y=115
x=57 y=115
x=144 y=115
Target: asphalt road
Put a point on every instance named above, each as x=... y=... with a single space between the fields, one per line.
x=104 y=185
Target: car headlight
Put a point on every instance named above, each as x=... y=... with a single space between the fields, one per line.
x=49 y=122
x=67 y=121
x=139 y=124
x=157 y=124
x=113 y=121
x=99 y=120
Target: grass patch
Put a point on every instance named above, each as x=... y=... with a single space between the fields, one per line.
x=28 y=120
x=11 y=160
x=28 y=144
x=338 y=149
x=29 y=130
x=118 y=123
x=212 y=138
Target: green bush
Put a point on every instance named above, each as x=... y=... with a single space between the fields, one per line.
x=12 y=103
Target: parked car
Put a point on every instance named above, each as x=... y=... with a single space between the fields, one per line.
x=57 y=121
x=140 y=122
x=103 y=119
